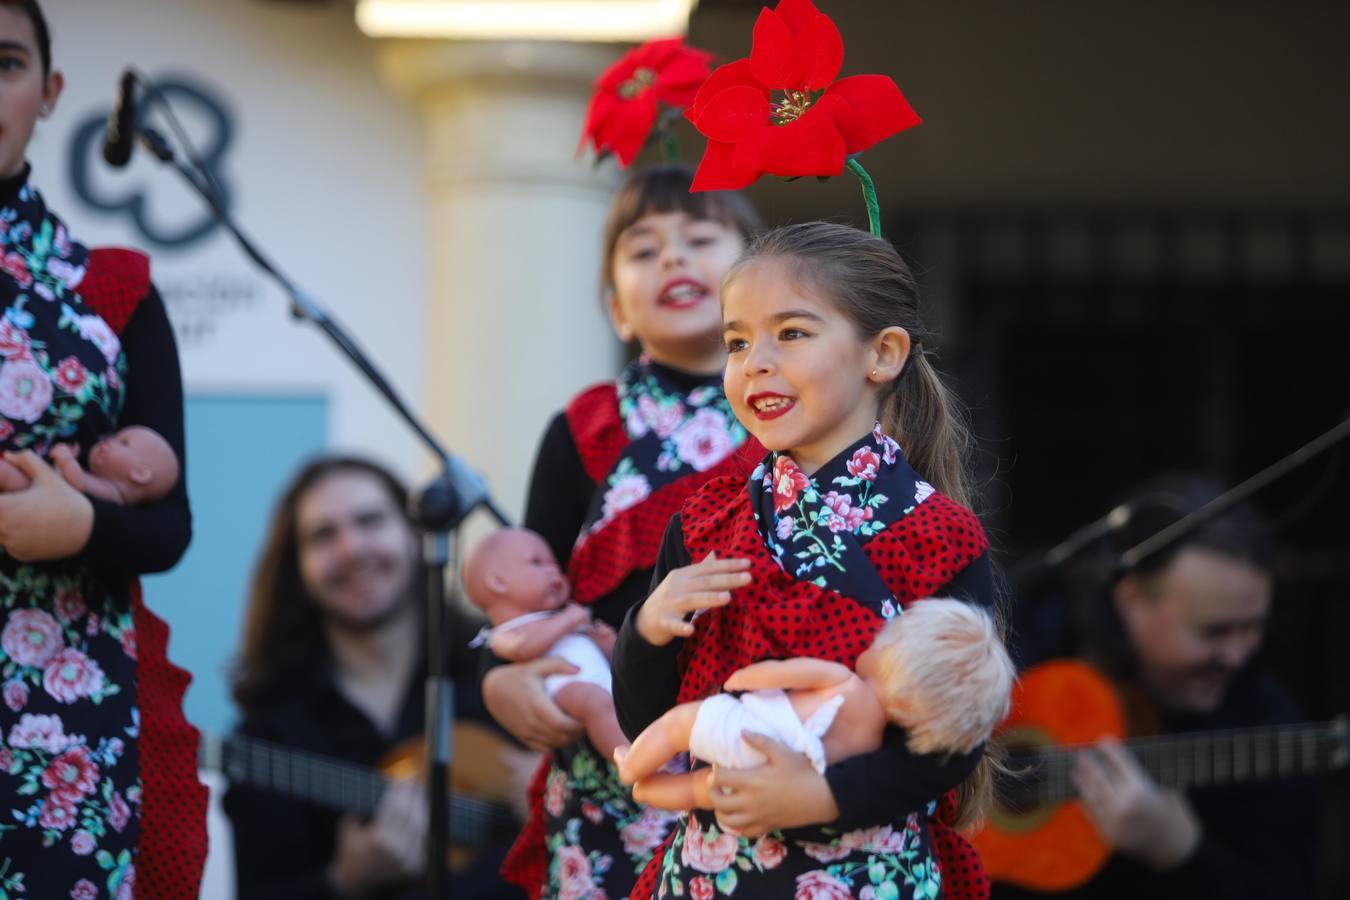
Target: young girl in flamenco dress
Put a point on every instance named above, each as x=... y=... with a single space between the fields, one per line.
x=98 y=772
x=611 y=470
x=859 y=509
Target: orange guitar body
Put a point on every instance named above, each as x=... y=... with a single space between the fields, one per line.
x=1056 y=848
x=486 y=767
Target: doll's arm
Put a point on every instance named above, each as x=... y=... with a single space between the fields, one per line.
x=800 y=673
x=533 y=640
x=667 y=790
x=63 y=458
x=658 y=744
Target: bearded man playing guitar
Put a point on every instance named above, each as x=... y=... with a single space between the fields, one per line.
x=331 y=665
x=1177 y=636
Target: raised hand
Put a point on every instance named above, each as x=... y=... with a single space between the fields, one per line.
x=684 y=592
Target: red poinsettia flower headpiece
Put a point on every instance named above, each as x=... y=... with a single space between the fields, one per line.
x=781 y=111
x=628 y=96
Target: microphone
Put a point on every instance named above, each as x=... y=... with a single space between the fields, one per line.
x=121 y=131
x=1031 y=572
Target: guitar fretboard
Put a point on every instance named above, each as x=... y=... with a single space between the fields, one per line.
x=1205 y=758
x=336 y=784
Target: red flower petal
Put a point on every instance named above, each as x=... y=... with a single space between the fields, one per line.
x=734 y=114
x=774 y=57
x=601 y=106
x=796 y=14
x=659 y=53
x=811 y=145
x=717 y=170
x=617 y=74
x=732 y=74
x=625 y=130
x=679 y=82
x=866 y=109
x=822 y=46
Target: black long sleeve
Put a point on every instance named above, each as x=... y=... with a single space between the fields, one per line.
x=646 y=680
x=152 y=536
x=560 y=490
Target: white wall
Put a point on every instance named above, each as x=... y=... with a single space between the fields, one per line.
x=326 y=170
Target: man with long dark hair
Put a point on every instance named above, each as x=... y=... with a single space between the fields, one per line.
x=331 y=664
x=1179 y=637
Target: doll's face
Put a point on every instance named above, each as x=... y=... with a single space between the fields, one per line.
x=514 y=573
x=138 y=460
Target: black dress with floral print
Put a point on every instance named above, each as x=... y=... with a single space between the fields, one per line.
x=70 y=787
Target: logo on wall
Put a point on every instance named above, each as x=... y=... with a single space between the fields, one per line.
x=198 y=298
x=192 y=101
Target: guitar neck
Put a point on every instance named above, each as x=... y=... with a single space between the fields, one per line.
x=324 y=781
x=1248 y=754
x=336 y=784
x=1216 y=757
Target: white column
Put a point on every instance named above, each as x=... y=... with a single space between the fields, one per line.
x=515 y=323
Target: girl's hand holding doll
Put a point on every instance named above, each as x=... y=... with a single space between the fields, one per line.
x=47 y=520
x=516 y=698
x=785 y=792
x=706 y=585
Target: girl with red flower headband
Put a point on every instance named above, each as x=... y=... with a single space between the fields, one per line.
x=841 y=529
x=612 y=469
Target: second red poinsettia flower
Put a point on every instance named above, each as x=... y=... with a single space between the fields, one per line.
x=781 y=112
x=629 y=95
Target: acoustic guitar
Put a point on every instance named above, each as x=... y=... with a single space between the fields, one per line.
x=1040 y=838
x=482 y=780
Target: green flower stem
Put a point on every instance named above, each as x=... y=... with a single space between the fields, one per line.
x=671 y=147
x=869 y=194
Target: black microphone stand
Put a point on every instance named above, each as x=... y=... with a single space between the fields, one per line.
x=1185 y=526
x=438 y=508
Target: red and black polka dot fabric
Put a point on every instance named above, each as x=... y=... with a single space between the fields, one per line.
x=171 y=850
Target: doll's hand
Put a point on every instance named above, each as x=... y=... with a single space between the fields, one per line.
x=704 y=585
x=66 y=459
x=604 y=637
x=49 y=519
x=576 y=615
x=785 y=792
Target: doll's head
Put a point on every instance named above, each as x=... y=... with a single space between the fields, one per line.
x=942 y=673
x=138 y=460
x=666 y=251
x=512 y=572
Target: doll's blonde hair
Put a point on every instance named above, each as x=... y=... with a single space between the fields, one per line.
x=945 y=675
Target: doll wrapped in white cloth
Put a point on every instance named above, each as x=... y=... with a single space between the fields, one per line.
x=938 y=670
x=513 y=577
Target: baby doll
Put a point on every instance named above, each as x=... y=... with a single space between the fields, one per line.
x=129 y=466
x=938 y=670
x=514 y=579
